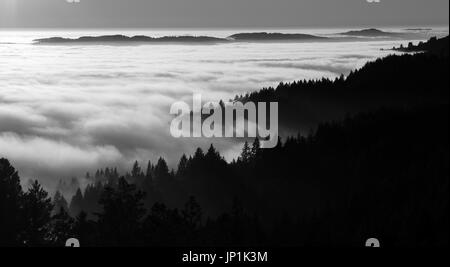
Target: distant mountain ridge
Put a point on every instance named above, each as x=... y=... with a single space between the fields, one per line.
x=372 y=33
x=259 y=36
x=137 y=39
x=238 y=37
x=264 y=36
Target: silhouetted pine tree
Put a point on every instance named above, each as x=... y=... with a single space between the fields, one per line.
x=246 y=153
x=10 y=203
x=149 y=172
x=161 y=170
x=37 y=211
x=182 y=166
x=76 y=204
x=59 y=202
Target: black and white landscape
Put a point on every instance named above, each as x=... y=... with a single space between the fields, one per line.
x=86 y=151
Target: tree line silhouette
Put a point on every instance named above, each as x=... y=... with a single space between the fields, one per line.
x=392 y=81
x=382 y=173
x=433 y=45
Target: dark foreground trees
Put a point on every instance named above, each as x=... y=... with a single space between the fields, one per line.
x=382 y=174
x=10 y=202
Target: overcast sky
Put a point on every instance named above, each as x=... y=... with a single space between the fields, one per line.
x=222 y=13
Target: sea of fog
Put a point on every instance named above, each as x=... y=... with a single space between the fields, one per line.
x=69 y=109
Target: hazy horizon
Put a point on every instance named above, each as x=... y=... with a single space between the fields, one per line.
x=332 y=27
x=220 y=14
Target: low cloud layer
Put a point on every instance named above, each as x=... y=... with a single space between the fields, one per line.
x=66 y=110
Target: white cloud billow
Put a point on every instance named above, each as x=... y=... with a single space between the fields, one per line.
x=67 y=110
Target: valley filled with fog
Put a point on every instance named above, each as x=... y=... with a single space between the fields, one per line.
x=66 y=110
